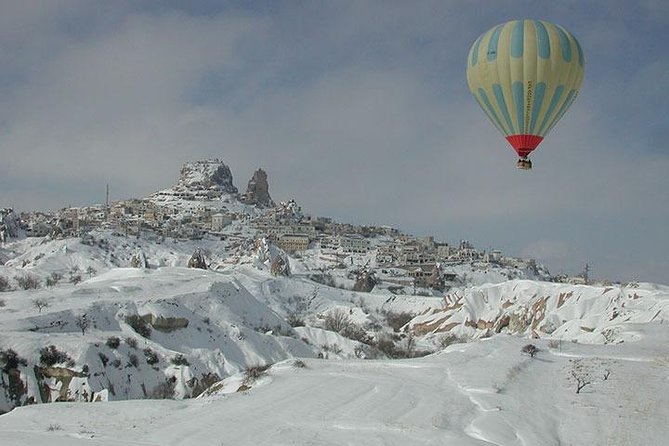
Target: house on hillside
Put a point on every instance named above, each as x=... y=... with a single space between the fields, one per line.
x=329 y=242
x=354 y=243
x=386 y=254
x=293 y=242
x=219 y=221
x=420 y=275
x=414 y=258
x=443 y=251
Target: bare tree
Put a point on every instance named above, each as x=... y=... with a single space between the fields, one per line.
x=28 y=282
x=75 y=275
x=580 y=374
x=337 y=320
x=40 y=303
x=529 y=349
x=83 y=323
x=53 y=279
x=580 y=380
x=294 y=319
x=411 y=345
x=4 y=284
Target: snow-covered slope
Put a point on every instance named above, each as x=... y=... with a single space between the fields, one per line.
x=208 y=325
x=99 y=251
x=190 y=327
x=470 y=394
x=590 y=314
x=298 y=350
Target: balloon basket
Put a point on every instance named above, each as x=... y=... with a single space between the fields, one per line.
x=524 y=164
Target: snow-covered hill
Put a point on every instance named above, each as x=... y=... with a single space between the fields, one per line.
x=124 y=333
x=479 y=393
x=127 y=332
x=588 y=314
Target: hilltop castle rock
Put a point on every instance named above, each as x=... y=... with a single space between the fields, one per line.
x=201 y=180
x=257 y=191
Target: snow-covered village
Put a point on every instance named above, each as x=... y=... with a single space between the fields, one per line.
x=379 y=222
x=204 y=205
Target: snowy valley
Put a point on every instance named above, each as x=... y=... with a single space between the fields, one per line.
x=202 y=316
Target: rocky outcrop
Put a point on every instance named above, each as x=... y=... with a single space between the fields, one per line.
x=167 y=324
x=138 y=260
x=436 y=280
x=280 y=266
x=9 y=224
x=288 y=211
x=15 y=389
x=269 y=256
x=56 y=384
x=197 y=260
x=207 y=175
x=257 y=191
x=590 y=314
x=200 y=180
x=365 y=281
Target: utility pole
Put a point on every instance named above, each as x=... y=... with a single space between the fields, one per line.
x=586 y=270
x=107 y=205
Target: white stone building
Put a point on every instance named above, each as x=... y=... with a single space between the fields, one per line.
x=354 y=243
x=293 y=242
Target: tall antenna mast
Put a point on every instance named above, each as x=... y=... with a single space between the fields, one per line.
x=107 y=204
x=586 y=270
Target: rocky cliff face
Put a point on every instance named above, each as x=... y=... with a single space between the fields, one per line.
x=257 y=191
x=9 y=224
x=365 y=281
x=197 y=260
x=207 y=174
x=539 y=309
x=172 y=346
x=201 y=180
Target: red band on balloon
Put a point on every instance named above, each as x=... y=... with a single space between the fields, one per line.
x=524 y=144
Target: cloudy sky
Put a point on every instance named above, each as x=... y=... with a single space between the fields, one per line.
x=357 y=109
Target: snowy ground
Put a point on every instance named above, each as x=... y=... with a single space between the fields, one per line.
x=479 y=393
x=484 y=392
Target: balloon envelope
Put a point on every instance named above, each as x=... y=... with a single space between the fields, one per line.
x=525 y=74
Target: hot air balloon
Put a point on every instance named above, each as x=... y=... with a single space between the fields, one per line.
x=525 y=74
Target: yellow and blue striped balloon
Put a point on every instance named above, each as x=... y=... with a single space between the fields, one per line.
x=525 y=74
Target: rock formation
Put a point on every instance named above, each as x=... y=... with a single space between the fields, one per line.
x=280 y=266
x=138 y=260
x=436 y=279
x=197 y=260
x=365 y=281
x=257 y=191
x=201 y=180
x=9 y=224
